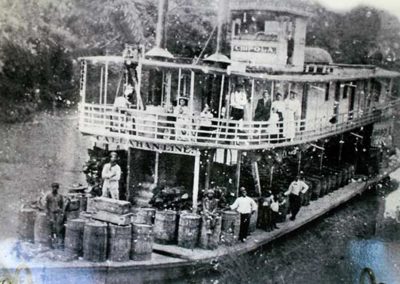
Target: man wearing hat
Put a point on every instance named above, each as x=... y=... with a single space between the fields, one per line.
x=210 y=206
x=245 y=206
x=54 y=206
x=111 y=175
x=294 y=190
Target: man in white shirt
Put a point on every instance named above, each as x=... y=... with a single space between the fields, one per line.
x=245 y=206
x=111 y=175
x=295 y=188
x=238 y=103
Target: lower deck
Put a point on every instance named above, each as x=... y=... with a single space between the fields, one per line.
x=171 y=262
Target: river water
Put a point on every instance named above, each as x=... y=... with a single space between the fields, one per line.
x=333 y=249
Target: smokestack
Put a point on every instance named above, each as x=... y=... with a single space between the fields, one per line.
x=159 y=50
x=218 y=57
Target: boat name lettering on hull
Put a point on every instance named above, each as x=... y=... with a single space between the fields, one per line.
x=174 y=149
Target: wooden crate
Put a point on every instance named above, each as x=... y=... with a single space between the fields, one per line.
x=112 y=205
x=113 y=218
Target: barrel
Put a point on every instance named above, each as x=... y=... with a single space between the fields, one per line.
x=230 y=227
x=142 y=241
x=165 y=227
x=74 y=237
x=144 y=215
x=253 y=221
x=119 y=242
x=189 y=230
x=26 y=224
x=209 y=236
x=316 y=187
x=95 y=241
x=82 y=202
x=42 y=230
x=71 y=215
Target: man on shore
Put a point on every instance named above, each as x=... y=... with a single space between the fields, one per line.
x=294 y=190
x=245 y=206
x=111 y=175
x=54 y=206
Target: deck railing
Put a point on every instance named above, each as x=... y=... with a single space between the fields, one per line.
x=198 y=131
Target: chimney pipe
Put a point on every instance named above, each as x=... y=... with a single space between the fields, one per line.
x=159 y=50
x=218 y=57
x=161 y=21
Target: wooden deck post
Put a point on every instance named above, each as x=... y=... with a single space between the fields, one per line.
x=128 y=174
x=105 y=83
x=210 y=159
x=101 y=86
x=179 y=82
x=256 y=177
x=238 y=166
x=196 y=178
x=168 y=89
x=191 y=92
x=157 y=161
x=340 y=150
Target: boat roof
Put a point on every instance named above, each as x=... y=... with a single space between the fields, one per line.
x=340 y=72
x=296 y=7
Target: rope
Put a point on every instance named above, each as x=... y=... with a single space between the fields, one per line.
x=205 y=46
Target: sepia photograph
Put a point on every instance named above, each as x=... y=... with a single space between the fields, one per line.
x=199 y=141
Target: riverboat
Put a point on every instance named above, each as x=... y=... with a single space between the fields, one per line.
x=181 y=128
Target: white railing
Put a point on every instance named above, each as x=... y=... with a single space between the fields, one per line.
x=222 y=133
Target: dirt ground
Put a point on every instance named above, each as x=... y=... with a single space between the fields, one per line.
x=32 y=156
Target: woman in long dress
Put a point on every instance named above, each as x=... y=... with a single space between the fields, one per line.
x=292 y=113
x=279 y=106
x=182 y=121
x=272 y=129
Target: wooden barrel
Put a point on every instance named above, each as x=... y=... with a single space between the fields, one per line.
x=144 y=215
x=230 y=227
x=26 y=224
x=71 y=215
x=74 y=237
x=189 y=230
x=165 y=227
x=95 y=241
x=142 y=241
x=209 y=237
x=253 y=221
x=42 y=230
x=119 y=242
x=82 y=202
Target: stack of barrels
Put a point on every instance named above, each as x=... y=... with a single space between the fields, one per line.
x=190 y=230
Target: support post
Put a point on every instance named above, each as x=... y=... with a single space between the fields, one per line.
x=191 y=92
x=101 y=86
x=128 y=174
x=196 y=178
x=157 y=162
x=256 y=177
x=105 y=83
x=340 y=149
x=168 y=89
x=238 y=168
x=210 y=159
x=179 y=82
x=252 y=98
x=299 y=163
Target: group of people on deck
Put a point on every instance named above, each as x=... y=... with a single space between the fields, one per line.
x=281 y=114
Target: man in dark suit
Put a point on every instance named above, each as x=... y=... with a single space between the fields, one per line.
x=263 y=109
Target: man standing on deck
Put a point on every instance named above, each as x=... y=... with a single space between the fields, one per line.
x=294 y=190
x=54 y=206
x=263 y=109
x=245 y=206
x=111 y=175
x=238 y=103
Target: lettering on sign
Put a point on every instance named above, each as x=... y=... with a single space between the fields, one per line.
x=254 y=49
x=175 y=149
